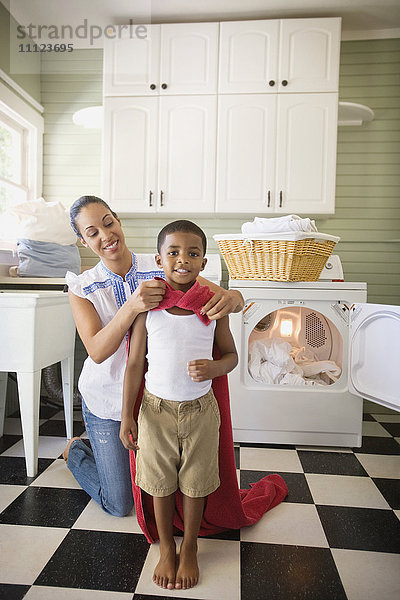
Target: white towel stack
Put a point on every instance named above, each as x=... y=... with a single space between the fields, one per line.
x=279 y=225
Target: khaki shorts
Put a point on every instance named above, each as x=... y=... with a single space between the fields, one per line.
x=178 y=446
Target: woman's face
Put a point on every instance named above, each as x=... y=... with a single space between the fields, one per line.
x=101 y=231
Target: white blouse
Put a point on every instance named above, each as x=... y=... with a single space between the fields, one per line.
x=101 y=384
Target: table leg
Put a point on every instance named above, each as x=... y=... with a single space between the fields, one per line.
x=67 y=375
x=29 y=401
x=3 y=396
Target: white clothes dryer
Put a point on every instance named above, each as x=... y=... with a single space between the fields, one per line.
x=326 y=320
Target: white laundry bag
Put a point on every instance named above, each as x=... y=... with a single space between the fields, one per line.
x=42 y=221
x=46 y=243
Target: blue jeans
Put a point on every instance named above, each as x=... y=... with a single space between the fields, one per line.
x=104 y=471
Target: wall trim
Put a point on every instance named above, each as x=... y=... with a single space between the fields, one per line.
x=20 y=91
x=373 y=34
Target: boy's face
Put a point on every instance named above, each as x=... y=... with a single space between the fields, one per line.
x=182 y=259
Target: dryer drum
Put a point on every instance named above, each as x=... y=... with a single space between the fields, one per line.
x=310 y=334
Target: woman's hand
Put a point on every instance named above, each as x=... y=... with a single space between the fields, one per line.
x=222 y=303
x=147 y=295
x=128 y=434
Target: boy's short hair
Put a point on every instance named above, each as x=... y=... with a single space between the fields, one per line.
x=183 y=226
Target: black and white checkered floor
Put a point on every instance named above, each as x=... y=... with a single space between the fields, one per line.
x=336 y=536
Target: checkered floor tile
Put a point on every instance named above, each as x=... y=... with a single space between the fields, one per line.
x=336 y=536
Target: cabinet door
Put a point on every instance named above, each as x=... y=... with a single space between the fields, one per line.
x=131 y=64
x=309 y=55
x=130 y=153
x=189 y=62
x=187 y=154
x=246 y=153
x=306 y=153
x=248 y=57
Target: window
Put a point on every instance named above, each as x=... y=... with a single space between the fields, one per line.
x=13 y=162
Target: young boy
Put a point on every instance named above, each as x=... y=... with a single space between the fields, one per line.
x=177 y=444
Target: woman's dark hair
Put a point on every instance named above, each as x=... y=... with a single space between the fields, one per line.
x=185 y=227
x=82 y=202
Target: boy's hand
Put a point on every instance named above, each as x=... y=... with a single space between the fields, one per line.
x=128 y=434
x=202 y=369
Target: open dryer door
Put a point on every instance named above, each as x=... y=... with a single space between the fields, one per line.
x=374 y=357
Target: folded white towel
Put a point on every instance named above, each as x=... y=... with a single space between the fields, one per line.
x=279 y=225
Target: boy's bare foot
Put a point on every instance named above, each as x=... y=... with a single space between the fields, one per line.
x=66 y=451
x=188 y=570
x=164 y=573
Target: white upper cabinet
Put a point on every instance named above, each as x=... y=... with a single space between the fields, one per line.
x=130 y=153
x=186 y=171
x=232 y=117
x=293 y=55
x=159 y=154
x=169 y=60
x=132 y=64
x=306 y=153
x=276 y=153
x=309 y=55
x=246 y=155
x=248 y=56
x=188 y=58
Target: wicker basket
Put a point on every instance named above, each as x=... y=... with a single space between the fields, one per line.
x=294 y=256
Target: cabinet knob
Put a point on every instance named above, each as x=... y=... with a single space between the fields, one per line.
x=153 y=86
x=161 y=198
x=284 y=82
x=150 y=198
x=271 y=82
x=164 y=86
x=280 y=199
x=269 y=199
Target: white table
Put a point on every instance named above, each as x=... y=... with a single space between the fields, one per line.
x=36 y=330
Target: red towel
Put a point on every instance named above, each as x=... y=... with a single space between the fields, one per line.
x=227 y=507
x=194 y=299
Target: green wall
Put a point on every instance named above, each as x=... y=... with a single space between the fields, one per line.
x=367 y=216
x=27 y=62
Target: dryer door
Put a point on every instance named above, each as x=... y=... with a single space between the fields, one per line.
x=375 y=353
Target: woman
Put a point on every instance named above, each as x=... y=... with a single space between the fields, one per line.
x=105 y=300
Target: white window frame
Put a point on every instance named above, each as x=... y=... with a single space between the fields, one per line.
x=22 y=185
x=19 y=112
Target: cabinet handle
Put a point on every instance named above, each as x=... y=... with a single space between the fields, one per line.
x=150 y=198
x=284 y=82
x=269 y=199
x=164 y=86
x=161 y=198
x=153 y=86
x=280 y=199
x=271 y=82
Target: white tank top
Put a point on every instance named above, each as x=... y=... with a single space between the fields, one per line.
x=172 y=341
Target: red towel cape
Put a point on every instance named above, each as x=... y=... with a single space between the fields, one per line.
x=194 y=299
x=228 y=507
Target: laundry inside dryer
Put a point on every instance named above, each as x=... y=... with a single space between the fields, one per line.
x=295 y=346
